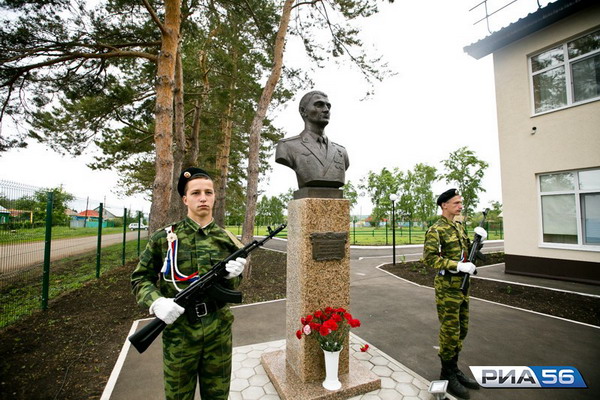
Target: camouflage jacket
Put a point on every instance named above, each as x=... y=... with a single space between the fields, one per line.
x=198 y=250
x=445 y=243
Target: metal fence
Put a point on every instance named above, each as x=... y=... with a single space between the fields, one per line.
x=407 y=232
x=52 y=242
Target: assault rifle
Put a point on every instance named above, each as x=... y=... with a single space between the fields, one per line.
x=480 y=235
x=206 y=284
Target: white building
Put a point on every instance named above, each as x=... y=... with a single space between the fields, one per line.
x=547 y=78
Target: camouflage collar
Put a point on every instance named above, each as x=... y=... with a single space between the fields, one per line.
x=190 y=223
x=448 y=222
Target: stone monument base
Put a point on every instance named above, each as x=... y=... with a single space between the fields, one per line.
x=358 y=380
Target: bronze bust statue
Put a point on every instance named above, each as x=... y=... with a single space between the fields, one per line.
x=317 y=161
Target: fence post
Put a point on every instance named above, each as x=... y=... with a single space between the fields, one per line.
x=47 y=243
x=99 y=248
x=139 y=231
x=124 y=235
x=386 y=233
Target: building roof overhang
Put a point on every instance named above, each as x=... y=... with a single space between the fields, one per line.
x=534 y=22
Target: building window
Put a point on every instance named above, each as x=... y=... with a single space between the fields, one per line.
x=570 y=205
x=566 y=75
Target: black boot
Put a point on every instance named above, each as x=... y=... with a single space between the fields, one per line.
x=454 y=386
x=462 y=378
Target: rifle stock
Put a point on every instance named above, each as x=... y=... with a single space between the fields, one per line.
x=473 y=252
x=208 y=283
x=143 y=338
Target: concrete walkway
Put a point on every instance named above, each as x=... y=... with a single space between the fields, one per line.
x=399 y=322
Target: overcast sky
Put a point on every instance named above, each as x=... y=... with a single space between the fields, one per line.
x=440 y=100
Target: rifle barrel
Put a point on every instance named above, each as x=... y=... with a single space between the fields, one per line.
x=473 y=252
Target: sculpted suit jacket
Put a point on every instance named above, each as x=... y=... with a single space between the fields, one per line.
x=313 y=168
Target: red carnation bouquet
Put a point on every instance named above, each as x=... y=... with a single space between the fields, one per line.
x=329 y=326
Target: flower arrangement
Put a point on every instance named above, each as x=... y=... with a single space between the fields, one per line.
x=329 y=326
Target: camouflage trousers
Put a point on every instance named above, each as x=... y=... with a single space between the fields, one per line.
x=200 y=352
x=453 y=314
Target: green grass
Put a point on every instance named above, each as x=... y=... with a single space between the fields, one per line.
x=366 y=236
x=23 y=235
x=23 y=296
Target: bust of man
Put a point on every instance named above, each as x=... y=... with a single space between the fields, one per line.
x=317 y=161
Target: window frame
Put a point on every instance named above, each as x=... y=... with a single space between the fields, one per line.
x=567 y=65
x=577 y=192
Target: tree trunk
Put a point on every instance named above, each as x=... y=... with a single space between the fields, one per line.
x=224 y=151
x=178 y=209
x=194 y=146
x=163 y=134
x=257 y=124
x=191 y=157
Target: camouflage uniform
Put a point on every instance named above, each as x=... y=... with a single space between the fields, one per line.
x=445 y=244
x=191 y=351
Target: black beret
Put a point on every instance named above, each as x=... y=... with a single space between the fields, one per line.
x=189 y=174
x=447 y=195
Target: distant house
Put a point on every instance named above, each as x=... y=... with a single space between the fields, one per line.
x=21 y=216
x=4 y=215
x=547 y=78
x=106 y=215
x=89 y=214
x=90 y=219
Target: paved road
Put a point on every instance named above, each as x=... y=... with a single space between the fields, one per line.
x=399 y=318
x=17 y=256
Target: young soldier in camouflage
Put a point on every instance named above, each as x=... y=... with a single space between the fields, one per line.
x=196 y=346
x=446 y=246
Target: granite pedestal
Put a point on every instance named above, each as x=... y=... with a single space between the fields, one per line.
x=318 y=276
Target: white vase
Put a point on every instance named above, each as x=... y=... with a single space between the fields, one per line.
x=332 y=361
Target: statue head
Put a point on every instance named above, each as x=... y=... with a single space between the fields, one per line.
x=314 y=108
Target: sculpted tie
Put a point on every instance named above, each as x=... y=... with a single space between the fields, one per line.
x=323 y=145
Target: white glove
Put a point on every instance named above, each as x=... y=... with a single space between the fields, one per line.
x=466 y=267
x=235 y=267
x=481 y=232
x=166 y=310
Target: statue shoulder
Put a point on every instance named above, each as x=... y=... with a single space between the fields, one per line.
x=339 y=145
x=290 y=139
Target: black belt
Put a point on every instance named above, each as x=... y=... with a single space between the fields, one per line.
x=197 y=311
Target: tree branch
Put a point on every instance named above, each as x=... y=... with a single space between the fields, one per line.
x=311 y=3
x=155 y=18
x=74 y=56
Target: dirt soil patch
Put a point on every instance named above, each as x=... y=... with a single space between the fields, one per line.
x=566 y=305
x=69 y=350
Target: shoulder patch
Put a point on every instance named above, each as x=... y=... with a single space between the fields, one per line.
x=159 y=234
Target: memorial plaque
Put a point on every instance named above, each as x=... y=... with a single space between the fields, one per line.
x=329 y=245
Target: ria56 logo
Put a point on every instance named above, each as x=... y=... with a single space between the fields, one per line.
x=528 y=377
